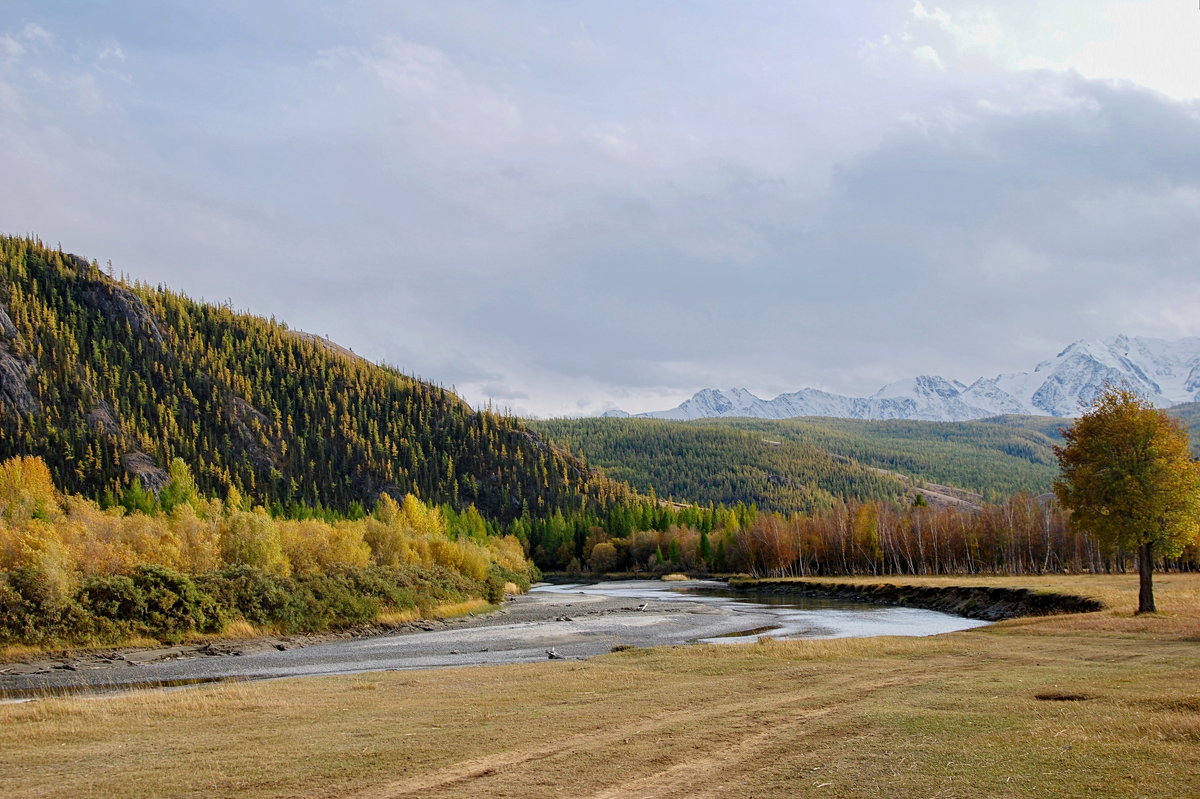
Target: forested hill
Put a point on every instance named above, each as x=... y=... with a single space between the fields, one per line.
x=803 y=464
x=718 y=463
x=106 y=380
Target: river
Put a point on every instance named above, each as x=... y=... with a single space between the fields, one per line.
x=552 y=621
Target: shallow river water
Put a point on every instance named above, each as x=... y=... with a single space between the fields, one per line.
x=779 y=616
x=551 y=621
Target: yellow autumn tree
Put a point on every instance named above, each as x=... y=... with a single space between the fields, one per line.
x=1129 y=480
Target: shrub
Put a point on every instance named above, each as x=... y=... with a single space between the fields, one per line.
x=175 y=606
x=494 y=590
x=116 y=597
x=33 y=611
x=256 y=596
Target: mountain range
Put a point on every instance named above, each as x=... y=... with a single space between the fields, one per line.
x=1167 y=372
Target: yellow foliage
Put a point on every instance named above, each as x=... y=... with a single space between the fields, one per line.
x=508 y=552
x=474 y=562
x=64 y=538
x=27 y=490
x=422 y=519
x=386 y=510
x=312 y=547
x=37 y=548
x=251 y=538
x=198 y=537
x=389 y=545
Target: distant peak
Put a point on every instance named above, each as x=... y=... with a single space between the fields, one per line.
x=1167 y=371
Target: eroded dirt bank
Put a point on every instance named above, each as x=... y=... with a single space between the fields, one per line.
x=974 y=602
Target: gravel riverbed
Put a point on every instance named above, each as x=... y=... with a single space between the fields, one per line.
x=567 y=622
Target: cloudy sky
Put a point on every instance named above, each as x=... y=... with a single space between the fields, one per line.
x=565 y=207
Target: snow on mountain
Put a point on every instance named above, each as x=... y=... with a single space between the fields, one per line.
x=1165 y=371
x=711 y=402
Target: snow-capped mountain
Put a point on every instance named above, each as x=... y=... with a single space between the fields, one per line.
x=1165 y=372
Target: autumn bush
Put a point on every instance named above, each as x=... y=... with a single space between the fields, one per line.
x=73 y=572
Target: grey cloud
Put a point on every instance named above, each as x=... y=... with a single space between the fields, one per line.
x=566 y=209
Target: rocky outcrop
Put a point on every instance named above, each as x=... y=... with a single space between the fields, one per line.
x=143 y=467
x=973 y=602
x=119 y=302
x=251 y=426
x=7 y=328
x=104 y=418
x=14 y=382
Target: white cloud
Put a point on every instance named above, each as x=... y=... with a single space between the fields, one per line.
x=929 y=55
x=112 y=51
x=1149 y=42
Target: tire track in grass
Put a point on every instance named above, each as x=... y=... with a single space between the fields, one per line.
x=465 y=775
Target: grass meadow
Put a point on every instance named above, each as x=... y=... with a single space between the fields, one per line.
x=1104 y=704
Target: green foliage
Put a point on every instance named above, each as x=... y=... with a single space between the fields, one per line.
x=180 y=487
x=1189 y=415
x=718 y=464
x=113 y=597
x=167 y=605
x=34 y=609
x=494 y=590
x=172 y=605
x=806 y=465
x=123 y=380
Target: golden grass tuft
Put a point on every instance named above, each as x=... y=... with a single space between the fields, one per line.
x=399 y=616
x=674 y=577
x=240 y=628
x=456 y=609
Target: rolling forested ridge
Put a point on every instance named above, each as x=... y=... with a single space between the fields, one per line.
x=805 y=465
x=720 y=463
x=107 y=381
x=808 y=464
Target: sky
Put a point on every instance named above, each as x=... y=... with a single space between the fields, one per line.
x=565 y=207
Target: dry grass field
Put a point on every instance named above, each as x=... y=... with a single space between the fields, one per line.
x=1100 y=705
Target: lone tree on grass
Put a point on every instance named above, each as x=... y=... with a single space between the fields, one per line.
x=1130 y=481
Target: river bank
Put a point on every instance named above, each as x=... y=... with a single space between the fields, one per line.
x=573 y=622
x=520 y=629
x=989 y=603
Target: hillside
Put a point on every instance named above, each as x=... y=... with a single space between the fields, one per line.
x=1189 y=414
x=802 y=464
x=991 y=459
x=106 y=380
x=719 y=463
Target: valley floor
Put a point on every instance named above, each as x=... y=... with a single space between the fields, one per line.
x=1103 y=704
